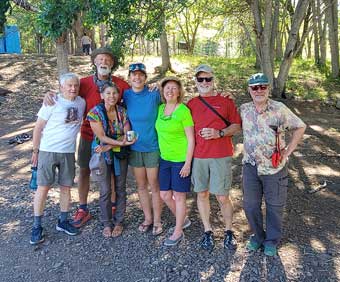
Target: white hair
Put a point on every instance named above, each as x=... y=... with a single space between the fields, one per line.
x=68 y=76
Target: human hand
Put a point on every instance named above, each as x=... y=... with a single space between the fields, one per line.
x=34 y=159
x=209 y=133
x=227 y=95
x=153 y=87
x=102 y=148
x=185 y=171
x=284 y=155
x=50 y=98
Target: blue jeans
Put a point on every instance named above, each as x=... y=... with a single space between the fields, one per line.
x=273 y=188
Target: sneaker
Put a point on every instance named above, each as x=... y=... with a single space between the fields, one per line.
x=67 y=227
x=185 y=225
x=229 y=240
x=169 y=242
x=270 y=251
x=37 y=235
x=80 y=218
x=207 y=242
x=252 y=245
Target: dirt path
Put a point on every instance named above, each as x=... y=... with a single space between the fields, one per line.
x=309 y=250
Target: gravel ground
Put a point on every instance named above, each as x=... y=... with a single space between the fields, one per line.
x=309 y=250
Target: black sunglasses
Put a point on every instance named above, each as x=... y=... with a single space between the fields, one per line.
x=207 y=79
x=257 y=87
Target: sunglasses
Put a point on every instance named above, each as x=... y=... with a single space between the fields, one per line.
x=257 y=87
x=136 y=67
x=207 y=79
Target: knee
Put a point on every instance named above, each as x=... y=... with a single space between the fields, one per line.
x=251 y=207
x=223 y=200
x=166 y=196
x=203 y=196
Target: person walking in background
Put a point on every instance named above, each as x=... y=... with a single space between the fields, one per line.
x=216 y=120
x=264 y=123
x=142 y=108
x=54 y=145
x=86 y=44
x=110 y=123
x=175 y=131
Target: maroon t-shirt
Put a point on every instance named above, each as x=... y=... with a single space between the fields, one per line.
x=203 y=117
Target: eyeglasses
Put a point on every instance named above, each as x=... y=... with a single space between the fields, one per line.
x=207 y=79
x=257 y=87
x=136 y=67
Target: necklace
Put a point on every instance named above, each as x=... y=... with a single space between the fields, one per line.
x=167 y=111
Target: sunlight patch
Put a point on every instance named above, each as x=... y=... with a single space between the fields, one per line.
x=317 y=128
x=317 y=245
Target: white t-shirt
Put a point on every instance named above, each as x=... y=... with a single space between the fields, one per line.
x=63 y=124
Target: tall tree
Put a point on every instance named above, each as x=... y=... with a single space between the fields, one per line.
x=332 y=15
x=263 y=18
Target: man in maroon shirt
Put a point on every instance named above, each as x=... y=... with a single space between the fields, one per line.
x=211 y=172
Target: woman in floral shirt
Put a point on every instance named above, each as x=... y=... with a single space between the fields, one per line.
x=264 y=124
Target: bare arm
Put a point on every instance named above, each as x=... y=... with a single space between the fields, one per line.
x=189 y=132
x=49 y=98
x=212 y=133
x=38 y=128
x=296 y=138
x=98 y=130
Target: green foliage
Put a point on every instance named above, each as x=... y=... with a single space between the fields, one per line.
x=57 y=16
x=4 y=7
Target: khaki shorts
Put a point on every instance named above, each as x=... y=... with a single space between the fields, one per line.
x=214 y=175
x=84 y=153
x=144 y=159
x=47 y=164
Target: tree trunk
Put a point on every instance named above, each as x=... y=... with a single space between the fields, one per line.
x=332 y=15
x=78 y=31
x=316 y=15
x=62 y=56
x=322 y=26
x=166 y=65
x=102 y=35
x=298 y=17
x=39 y=42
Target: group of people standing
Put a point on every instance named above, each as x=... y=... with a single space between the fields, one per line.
x=175 y=145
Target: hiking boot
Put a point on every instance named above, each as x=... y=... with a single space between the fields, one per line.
x=229 y=240
x=37 y=235
x=270 y=251
x=80 y=218
x=185 y=225
x=252 y=245
x=207 y=242
x=67 y=227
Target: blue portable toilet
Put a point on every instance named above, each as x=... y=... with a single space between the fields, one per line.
x=2 y=45
x=12 y=39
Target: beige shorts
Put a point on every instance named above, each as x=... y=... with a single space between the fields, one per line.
x=48 y=162
x=214 y=175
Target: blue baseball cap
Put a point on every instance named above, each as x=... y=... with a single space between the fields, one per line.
x=258 y=79
x=137 y=67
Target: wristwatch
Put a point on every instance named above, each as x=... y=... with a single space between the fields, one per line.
x=35 y=150
x=221 y=133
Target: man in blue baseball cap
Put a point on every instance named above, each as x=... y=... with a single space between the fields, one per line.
x=264 y=124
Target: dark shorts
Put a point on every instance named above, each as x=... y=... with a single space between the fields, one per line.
x=169 y=178
x=84 y=153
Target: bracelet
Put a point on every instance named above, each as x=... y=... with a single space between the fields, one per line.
x=35 y=150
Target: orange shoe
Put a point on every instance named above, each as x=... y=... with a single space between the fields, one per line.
x=80 y=218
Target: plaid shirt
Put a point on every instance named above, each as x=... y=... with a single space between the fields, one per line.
x=259 y=137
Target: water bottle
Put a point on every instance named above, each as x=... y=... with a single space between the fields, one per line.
x=33 y=181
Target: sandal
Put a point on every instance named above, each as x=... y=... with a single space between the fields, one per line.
x=117 y=231
x=107 y=232
x=157 y=229
x=144 y=227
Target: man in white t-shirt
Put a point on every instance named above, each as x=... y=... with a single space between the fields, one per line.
x=54 y=146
